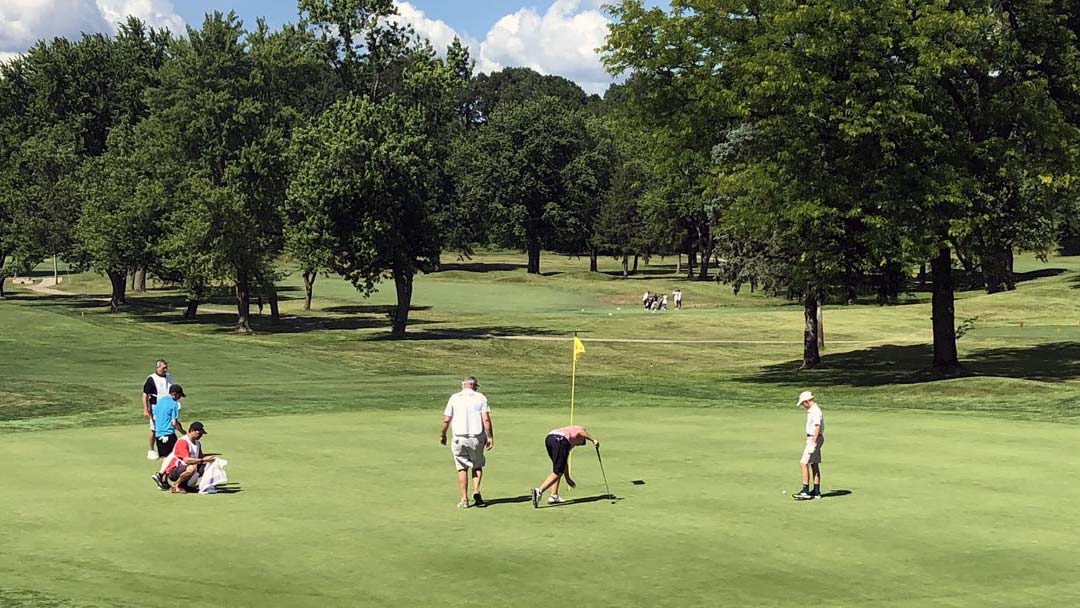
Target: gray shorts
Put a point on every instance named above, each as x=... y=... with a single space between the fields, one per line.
x=468 y=451
x=814 y=456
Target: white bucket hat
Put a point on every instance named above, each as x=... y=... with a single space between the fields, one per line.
x=803 y=398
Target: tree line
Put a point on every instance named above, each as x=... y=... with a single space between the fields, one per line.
x=826 y=147
x=819 y=150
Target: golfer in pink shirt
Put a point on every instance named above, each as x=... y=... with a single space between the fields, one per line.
x=559 y=442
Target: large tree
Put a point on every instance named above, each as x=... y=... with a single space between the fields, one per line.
x=515 y=171
x=682 y=89
x=862 y=132
x=16 y=251
x=221 y=139
x=508 y=86
x=370 y=175
x=118 y=228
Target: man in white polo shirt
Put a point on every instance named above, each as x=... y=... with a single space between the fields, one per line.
x=470 y=416
x=815 y=438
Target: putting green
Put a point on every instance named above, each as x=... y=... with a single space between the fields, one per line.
x=358 y=509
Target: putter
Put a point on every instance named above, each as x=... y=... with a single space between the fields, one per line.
x=606 y=486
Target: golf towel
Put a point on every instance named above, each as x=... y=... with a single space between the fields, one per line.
x=212 y=475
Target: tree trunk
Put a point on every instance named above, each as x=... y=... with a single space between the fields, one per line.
x=593 y=255
x=946 y=360
x=131 y=276
x=275 y=314
x=678 y=262
x=890 y=283
x=533 y=251
x=403 y=284
x=192 y=308
x=625 y=266
x=3 y=275
x=922 y=275
x=243 y=304
x=811 y=357
x=634 y=269
x=997 y=271
x=118 y=280
x=309 y=285
x=140 y=280
x=691 y=260
x=55 y=271
x=705 y=244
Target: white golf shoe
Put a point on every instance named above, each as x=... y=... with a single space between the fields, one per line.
x=151 y=455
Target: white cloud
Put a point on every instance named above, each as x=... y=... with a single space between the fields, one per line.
x=438 y=32
x=562 y=41
x=24 y=22
x=156 y=13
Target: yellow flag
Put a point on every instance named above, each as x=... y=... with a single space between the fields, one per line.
x=579 y=348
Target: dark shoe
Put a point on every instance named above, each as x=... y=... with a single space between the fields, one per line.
x=161 y=484
x=477 y=499
x=536 y=498
x=814 y=495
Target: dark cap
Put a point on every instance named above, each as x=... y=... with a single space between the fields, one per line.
x=176 y=389
x=197 y=426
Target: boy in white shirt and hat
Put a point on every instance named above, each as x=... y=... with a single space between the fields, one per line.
x=811 y=457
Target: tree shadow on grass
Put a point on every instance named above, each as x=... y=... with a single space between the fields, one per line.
x=480 y=267
x=654 y=272
x=1042 y=273
x=72 y=301
x=260 y=324
x=910 y=364
x=469 y=333
x=367 y=309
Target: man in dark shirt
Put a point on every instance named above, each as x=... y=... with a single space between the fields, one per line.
x=157 y=385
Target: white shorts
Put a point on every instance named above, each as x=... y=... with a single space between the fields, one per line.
x=468 y=451
x=811 y=453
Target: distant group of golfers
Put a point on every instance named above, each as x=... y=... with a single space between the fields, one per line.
x=468 y=415
x=185 y=468
x=659 y=301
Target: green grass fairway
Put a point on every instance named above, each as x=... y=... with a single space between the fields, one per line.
x=948 y=492
x=359 y=509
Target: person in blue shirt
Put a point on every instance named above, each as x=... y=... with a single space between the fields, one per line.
x=166 y=423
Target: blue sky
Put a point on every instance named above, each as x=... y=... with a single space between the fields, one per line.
x=551 y=36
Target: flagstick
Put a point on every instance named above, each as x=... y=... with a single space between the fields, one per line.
x=573 y=381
